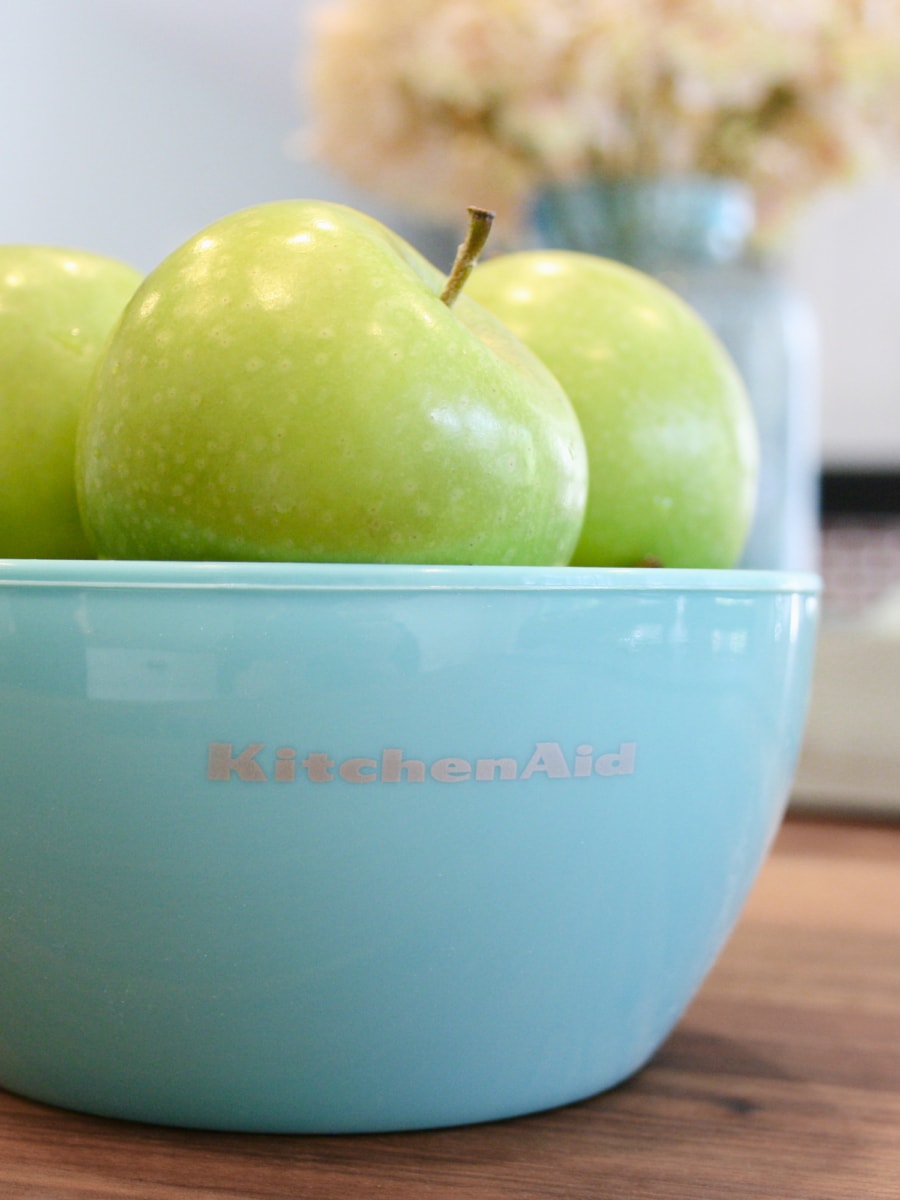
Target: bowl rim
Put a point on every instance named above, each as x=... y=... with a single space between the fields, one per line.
x=152 y=575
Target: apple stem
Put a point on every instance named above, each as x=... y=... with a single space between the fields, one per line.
x=480 y=221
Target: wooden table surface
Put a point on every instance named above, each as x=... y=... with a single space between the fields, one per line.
x=782 y=1081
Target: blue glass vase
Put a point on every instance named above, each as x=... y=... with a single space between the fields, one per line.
x=694 y=234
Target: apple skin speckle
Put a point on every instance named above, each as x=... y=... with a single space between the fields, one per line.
x=669 y=429
x=305 y=350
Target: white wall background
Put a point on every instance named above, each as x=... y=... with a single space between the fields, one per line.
x=130 y=124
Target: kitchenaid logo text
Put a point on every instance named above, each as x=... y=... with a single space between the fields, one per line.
x=254 y=763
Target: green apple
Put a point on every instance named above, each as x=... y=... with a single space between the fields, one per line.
x=671 y=438
x=290 y=385
x=57 y=307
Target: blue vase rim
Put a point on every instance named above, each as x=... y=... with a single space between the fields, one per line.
x=647 y=220
x=651 y=180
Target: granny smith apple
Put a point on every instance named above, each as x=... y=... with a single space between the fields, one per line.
x=293 y=384
x=57 y=307
x=671 y=439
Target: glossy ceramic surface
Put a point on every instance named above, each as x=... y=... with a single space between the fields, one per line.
x=327 y=848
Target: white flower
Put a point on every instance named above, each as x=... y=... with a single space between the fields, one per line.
x=443 y=103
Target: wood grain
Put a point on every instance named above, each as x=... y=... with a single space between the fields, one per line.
x=782 y=1081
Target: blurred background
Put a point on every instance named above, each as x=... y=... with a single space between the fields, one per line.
x=131 y=124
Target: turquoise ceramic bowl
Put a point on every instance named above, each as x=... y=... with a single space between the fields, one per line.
x=351 y=848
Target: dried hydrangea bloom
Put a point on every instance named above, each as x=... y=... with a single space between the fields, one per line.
x=435 y=102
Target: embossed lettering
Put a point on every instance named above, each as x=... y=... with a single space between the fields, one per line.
x=222 y=762
x=548 y=759
x=394 y=767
